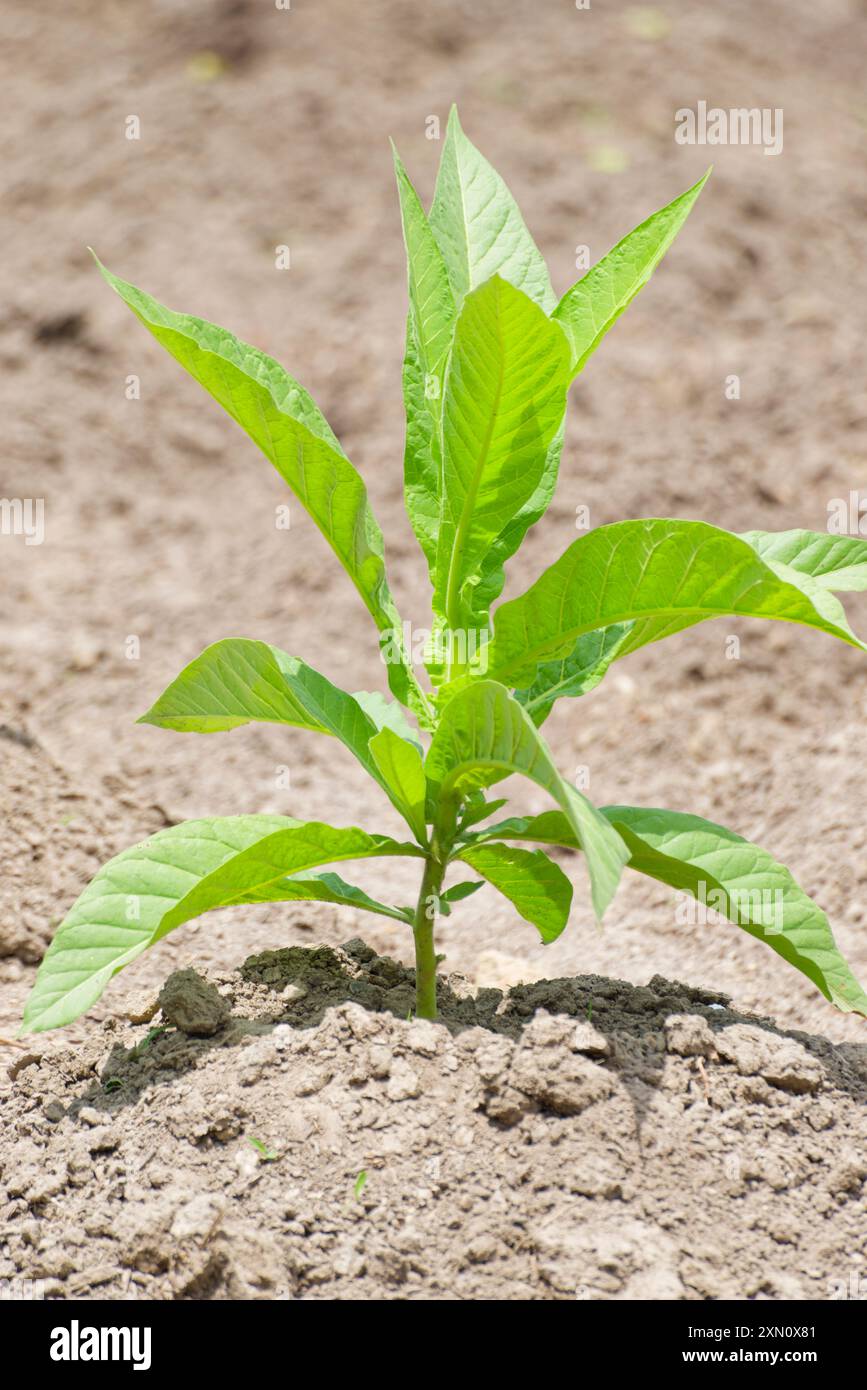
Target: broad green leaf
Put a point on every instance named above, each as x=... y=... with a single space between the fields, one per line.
x=723 y=871
x=838 y=563
x=481 y=233
x=746 y=884
x=429 y=334
x=575 y=674
x=810 y=560
x=313 y=886
x=144 y=893
x=478 y=226
x=238 y=680
x=825 y=602
x=505 y=394
x=536 y=885
x=661 y=575
x=284 y=421
x=596 y=301
x=401 y=769
x=485 y=735
x=490 y=584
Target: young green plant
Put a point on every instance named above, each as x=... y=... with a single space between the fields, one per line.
x=490 y=355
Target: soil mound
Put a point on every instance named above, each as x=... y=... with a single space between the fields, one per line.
x=572 y=1138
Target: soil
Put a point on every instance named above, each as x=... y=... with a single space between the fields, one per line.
x=262 y=128
x=572 y=1139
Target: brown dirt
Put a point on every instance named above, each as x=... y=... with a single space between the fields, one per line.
x=160 y=516
x=578 y=1138
x=55 y=837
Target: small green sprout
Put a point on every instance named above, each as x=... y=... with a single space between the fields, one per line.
x=149 y=1039
x=267 y=1155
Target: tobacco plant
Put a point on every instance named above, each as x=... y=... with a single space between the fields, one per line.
x=490 y=354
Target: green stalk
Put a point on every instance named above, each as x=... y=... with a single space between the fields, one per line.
x=427 y=906
x=423 y=932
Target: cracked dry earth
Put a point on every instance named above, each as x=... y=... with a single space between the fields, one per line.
x=286 y=1132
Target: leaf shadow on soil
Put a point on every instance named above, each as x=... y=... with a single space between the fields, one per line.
x=631 y=1020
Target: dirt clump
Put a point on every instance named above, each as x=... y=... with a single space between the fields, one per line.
x=192 y=1005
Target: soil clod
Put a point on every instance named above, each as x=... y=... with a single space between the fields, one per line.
x=193 y=1004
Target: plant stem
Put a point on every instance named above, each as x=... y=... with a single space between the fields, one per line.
x=423 y=931
x=428 y=903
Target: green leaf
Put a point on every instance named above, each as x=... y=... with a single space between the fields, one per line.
x=549 y=828
x=838 y=563
x=432 y=305
x=312 y=886
x=663 y=576
x=145 y=892
x=528 y=878
x=421 y=455
x=505 y=394
x=596 y=301
x=239 y=680
x=485 y=735
x=284 y=421
x=741 y=881
x=387 y=714
x=402 y=771
x=481 y=233
x=575 y=674
x=476 y=808
x=490 y=584
x=802 y=558
x=478 y=226
x=744 y=883
x=459 y=891
x=429 y=334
